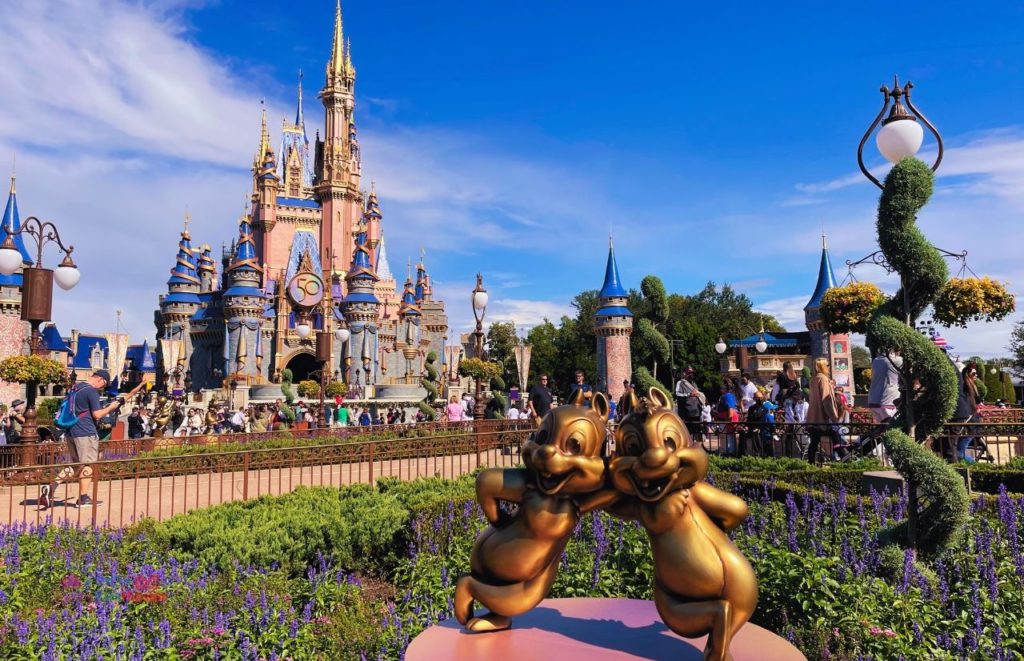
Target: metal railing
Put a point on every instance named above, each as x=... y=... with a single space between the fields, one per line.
x=126 y=490
x=130 y=488
x=56 y=452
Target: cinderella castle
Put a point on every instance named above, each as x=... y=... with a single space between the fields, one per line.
x=306 y=284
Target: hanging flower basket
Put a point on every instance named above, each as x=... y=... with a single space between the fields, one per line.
x=479 y=369
x=847 y=309
x=25 y=369
x=972 y=299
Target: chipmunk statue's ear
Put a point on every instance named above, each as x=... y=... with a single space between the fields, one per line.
x=600 y=405
x=629 y=404
x=578 y=398
x=660 y=399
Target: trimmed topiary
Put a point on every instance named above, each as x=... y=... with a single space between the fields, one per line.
x=941 y=496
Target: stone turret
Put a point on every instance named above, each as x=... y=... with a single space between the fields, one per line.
x=834 y=347
x=613 y=324
x=243 y=306
x=361 y=310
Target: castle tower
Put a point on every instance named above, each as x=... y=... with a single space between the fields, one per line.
x=835 y=347
x=294 y=170
x=243 y=309
x=207 y=270
x=13 y=331
x=613 y=323
x=424 y=291
x=337 y=156
x=271 y=248
x=177 y=308
x=361 y=313
x=386 y=289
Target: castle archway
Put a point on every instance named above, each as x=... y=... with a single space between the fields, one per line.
x=302 y=365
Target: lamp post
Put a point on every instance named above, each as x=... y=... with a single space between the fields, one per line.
x=37 y=292
x=760 y=346
x=900 y=137
x=479 y=301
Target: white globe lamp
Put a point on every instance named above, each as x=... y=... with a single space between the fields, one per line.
x=303 y=329
x=721 y=346
x=67 y=274
x=479 y=300
x=10 y=257
x=899 y=139
x=342 y=334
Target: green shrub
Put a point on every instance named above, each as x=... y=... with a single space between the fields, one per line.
x=942 y=496
x=46 y=409
x=356 y=526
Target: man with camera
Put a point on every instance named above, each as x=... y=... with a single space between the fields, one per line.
x=83 y=438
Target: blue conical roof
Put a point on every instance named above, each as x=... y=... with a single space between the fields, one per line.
x=826 y=278
x=245 y=248
x=184 y=271
x=12 y=223
x=612 y=287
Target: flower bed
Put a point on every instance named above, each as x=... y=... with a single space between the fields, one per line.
x=358 y=572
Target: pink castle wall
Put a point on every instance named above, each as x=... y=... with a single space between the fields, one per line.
x=618 y=363
x=12 y=339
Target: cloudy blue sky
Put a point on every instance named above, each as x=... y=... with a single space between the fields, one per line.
x=716 y=142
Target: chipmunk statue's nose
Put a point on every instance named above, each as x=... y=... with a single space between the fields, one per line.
x=654 y=457
x=546 y=451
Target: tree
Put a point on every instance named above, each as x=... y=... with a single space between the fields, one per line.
x=993 y=383
x=501 y=345
x=1017 y=348
x=542 y=339
x=861 y=368
x=1009 y=393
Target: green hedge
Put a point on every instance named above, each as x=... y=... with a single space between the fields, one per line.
x=363 y=528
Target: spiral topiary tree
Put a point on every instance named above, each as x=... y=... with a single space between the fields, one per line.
x=430 y=383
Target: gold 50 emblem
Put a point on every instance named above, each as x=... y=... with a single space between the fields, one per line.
x=306 y=290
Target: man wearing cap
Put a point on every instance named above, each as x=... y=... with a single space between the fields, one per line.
x=83 y=439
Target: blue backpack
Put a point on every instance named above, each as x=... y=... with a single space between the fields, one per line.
x=66 y=417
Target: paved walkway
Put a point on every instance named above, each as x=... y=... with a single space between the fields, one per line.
x=125 y=501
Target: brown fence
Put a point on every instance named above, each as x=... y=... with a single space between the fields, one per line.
x=129 y=489
x=998 y=442
x=55 y=452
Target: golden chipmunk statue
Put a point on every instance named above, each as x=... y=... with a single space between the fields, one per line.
x=515 y=560
x=702 y=583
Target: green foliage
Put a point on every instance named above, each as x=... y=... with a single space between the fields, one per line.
x=861 y=357
x=643 y=381
x=543 y=353
x=427 y=409
x=28 y=369
x=648 y=344
x=336 y=389
x=655 y=299
x=993 y=384
x=287 y=390
x=46 y=408
x=356 y=525
x=1017 y=347
x=479 y=369
x=430 y=383
x=308 y=389
x=1009 y=394
x=942 y=496
x=501 y=344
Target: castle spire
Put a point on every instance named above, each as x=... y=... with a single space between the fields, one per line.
x=336 y=65
x=826 y=277
x=12 y=223
x=383 y=268
x=299 y=121
x=264 y=135
x=612 y=287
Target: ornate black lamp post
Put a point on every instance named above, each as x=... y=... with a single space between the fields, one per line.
x=479 y=301
x=900 y=137
x=37 y=292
